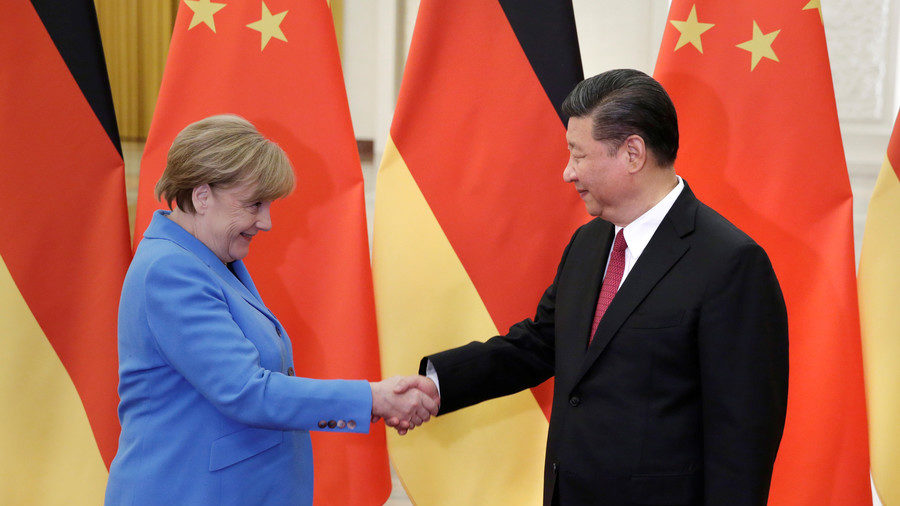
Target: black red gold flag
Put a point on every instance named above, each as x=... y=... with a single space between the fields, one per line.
x=471 y=217
x=62 y=257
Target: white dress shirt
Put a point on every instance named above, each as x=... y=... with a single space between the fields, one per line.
x=639 y=232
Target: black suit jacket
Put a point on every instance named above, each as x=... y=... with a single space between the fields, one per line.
x=680 y=398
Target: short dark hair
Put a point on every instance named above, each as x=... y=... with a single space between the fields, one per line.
x=627 y=102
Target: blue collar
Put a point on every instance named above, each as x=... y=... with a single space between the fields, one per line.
x=161 y=227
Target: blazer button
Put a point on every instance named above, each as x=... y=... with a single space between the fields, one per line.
x=341 y=424
x=351 y=424
x=323 y=424
x=290 y=371
x=332 y=424
x=574 y=401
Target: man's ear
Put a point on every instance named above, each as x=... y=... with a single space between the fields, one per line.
x=636 y=152
x=200 y=197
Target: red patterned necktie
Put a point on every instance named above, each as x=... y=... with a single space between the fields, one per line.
x=611 y=281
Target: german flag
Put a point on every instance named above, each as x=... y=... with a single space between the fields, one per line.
x=63 y=255
x=760 y=143
x=276 y=63
x=879 y=285
x=471 y=217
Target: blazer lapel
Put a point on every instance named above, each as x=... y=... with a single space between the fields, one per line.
x=663 y=251
x=161 y=227
x=240 y=281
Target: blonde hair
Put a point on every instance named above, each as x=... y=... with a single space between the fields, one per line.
x=223 y=151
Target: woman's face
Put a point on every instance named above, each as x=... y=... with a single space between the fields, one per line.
x=230 y=221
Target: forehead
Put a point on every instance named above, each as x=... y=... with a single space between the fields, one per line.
x=241 y=191
x=579 y=132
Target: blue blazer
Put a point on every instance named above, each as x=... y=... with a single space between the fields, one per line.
x=209 y=409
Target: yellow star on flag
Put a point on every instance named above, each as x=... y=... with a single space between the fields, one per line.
x=204 y=10
x=760 y=46
x=690 y=30
x=815 y=4
x=269 y=26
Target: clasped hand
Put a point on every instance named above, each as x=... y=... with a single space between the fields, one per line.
x=404 y=402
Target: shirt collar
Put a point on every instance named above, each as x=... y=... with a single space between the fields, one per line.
x=639 y=232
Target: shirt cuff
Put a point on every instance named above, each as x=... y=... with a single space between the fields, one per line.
x=431 y=374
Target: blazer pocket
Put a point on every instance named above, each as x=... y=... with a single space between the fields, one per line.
x=654 y=320
x=665 y=489
x=241 y=445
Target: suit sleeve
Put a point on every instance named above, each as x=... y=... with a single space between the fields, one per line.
x=502 y=365
x=195 y=333
x=743 y=351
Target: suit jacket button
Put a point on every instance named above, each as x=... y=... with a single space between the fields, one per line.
x=351 y=424
x=332 y=424
x=323 y=424
x=290 y=371
x=341 y=424
x=574 y=401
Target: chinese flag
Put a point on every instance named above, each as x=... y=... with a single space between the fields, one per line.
x=879 y=284
x=275 y=62
x=471 y=217
x=760 y=143
x=63 y=255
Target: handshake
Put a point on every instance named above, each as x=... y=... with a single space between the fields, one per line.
x=404 y=402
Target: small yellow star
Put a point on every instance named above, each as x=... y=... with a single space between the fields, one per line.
x=269 y=26
x=690 y=30
x=815 y=4
x=203 y=12
x=760 y=46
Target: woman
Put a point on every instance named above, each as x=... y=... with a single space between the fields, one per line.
x=209 y=407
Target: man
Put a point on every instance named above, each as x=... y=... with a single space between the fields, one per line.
x=665 y=327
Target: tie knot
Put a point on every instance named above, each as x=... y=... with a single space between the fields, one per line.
x=619 y=245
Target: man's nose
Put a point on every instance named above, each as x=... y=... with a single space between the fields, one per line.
x=569 y=172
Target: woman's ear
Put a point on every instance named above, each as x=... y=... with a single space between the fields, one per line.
x=200 y=197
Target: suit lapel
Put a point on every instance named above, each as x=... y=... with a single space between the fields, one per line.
x=590 y=289
x=663 y=251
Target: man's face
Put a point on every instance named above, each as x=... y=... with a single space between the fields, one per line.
x=601 y=179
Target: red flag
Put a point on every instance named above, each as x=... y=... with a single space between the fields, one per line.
x=62 y=257
x=276 y=63
x=760 y=143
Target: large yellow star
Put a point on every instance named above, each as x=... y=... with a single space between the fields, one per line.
x=203 y=12
x=760 y=46
x=269 y=26
x=815 y=4
x=690 y=30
